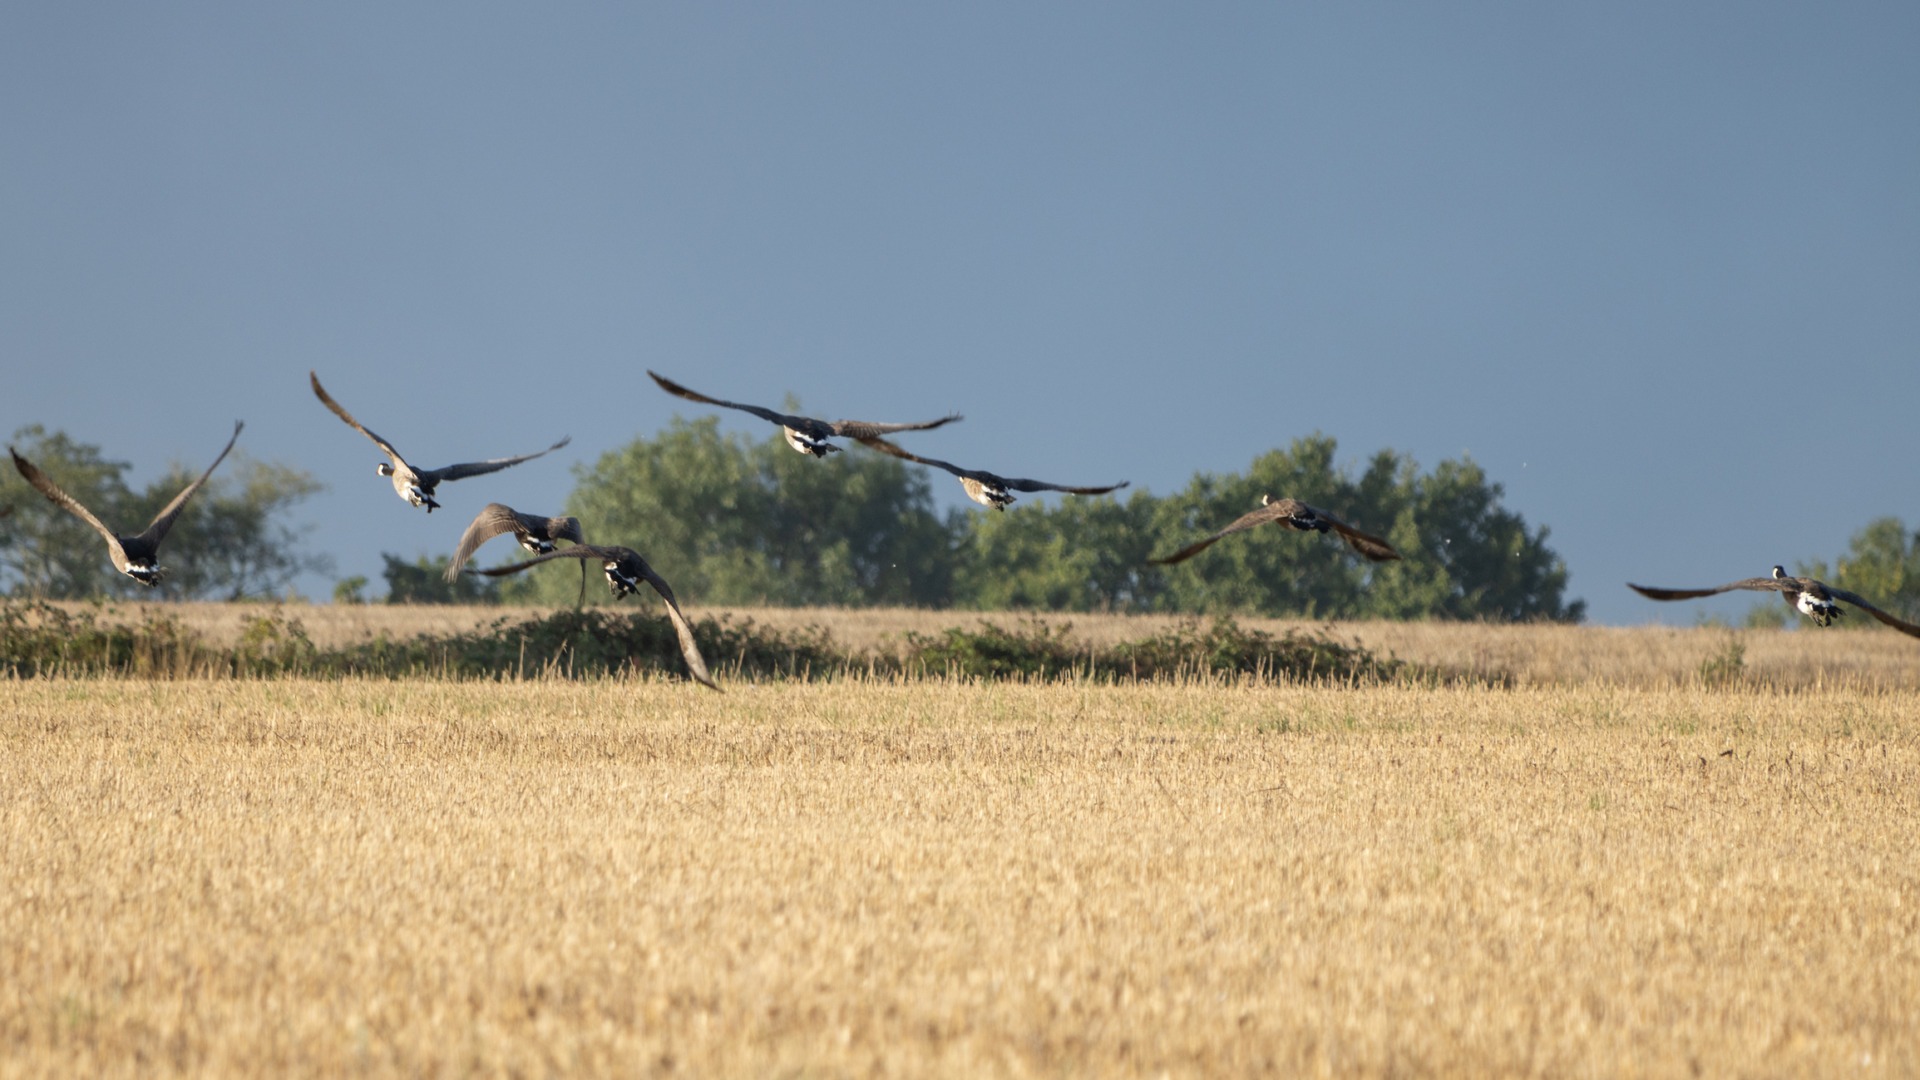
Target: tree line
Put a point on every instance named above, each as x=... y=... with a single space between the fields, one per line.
x=733 y=521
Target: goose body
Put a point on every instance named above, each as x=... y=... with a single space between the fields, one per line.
x=990 y=490
x=134 y=555
x=1815 y=599
x=535 y=534
x=803 y=433
x=417 y=486
x=1298 y=516
x=625 y=570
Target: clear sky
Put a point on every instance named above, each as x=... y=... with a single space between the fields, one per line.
x=1655 y=266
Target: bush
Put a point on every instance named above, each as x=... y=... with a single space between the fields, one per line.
x=1040 y=651
x=39 y=639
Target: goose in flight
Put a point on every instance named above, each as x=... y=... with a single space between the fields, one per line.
x=804 y=433
x=1815 y=599
x=535 y=533
x=1296 y=515
x=417 y=486
x=625 y=570
x=983 y=487
x=132 y=555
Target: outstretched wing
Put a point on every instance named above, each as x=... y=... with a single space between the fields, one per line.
x=1861 y=602
x=327 y=400
x=578 y=551
x=688 y=648
x=1012 y=484
x=877 y=443
x=477 y=468
x=162 y=521
x=861 y=429
x=492 y=520
x=1366 y=544
x=1755 y=584
x=66 y=502
x=1245 y=521
x=1042 y=485
x=632 y=564
x=677 y=390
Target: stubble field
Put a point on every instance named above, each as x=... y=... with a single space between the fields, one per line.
x=1590 y=876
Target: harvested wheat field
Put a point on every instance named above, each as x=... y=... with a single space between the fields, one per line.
x=935 y=878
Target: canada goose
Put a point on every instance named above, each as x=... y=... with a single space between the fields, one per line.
x=417 y=485
x=985 y=488
x=535 y=533
x=805 y=434
x=1296 y=515
x=132 y=555
x=1814 y=599
x=625 y=570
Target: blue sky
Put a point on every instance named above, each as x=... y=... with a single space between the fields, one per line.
x=1656 y=267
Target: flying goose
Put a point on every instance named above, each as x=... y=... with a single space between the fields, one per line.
x=1814 y=599
x=625 y=570
x=804 y=433
x=417 y=485
x=132 y=555
x=1296 y=515
x=535 y=533
x=985 y=488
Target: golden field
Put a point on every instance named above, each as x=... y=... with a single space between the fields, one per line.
x=1591 y=877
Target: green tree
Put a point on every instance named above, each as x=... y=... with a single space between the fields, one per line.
x=1882 y=563
x=1086 y=554
x=232 y=542
x=1274 y=571
x=424 y=581
x=1465 y=556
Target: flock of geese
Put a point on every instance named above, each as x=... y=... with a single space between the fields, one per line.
x=136 y=554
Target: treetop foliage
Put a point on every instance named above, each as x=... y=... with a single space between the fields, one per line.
x=729 y=520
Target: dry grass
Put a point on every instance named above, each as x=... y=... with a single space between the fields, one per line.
x=1873 y=659
x=235 y=878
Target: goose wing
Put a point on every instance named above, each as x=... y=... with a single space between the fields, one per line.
x=1754 y=584
x=780 y=418
x=492 y=520
x=1274 y=510
x=578 y=551
x=861 y=429
x=66 y=502
x=631 y=564
x=1366 y=544
x=688 y=647
x=877 y=443
x=1012 y=484
x=341 y=412
x=162 y=521
x=1861 y=602
x=496 y=518
x=477 y=468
